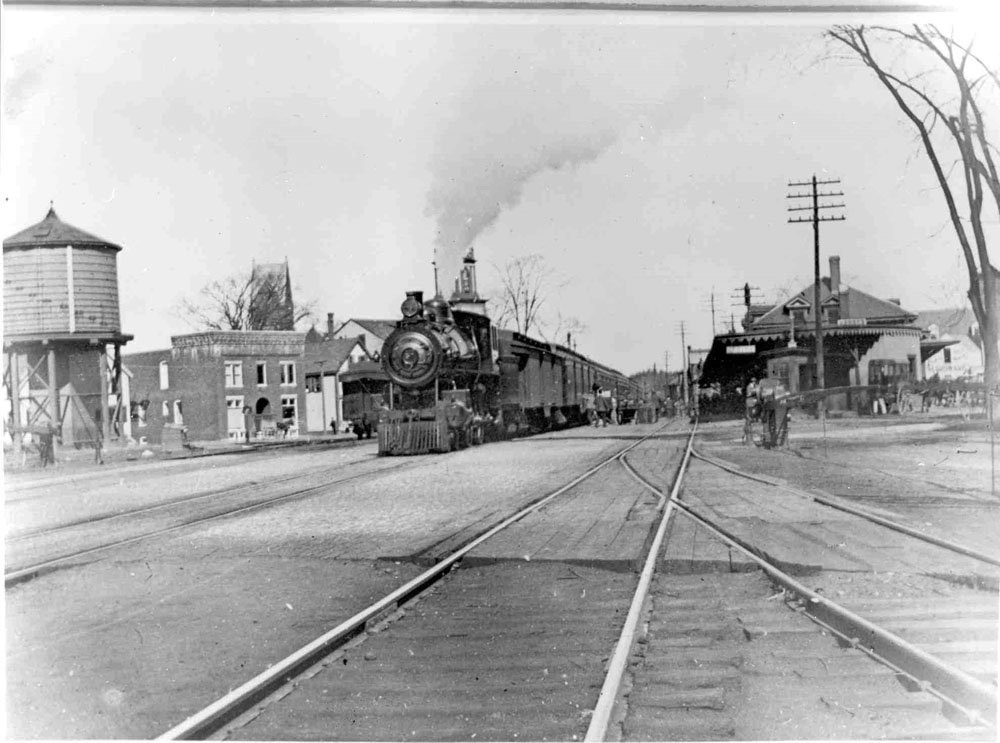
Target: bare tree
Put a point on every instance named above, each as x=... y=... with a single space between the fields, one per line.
x=245 y=301
x=524 y=289
x=564 y=330
x=944 y=101
x=521 y=302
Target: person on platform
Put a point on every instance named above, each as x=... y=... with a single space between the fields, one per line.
x=248 y=421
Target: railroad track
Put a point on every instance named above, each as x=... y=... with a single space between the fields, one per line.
x=487 y=629
x=516 y=642
x=723 y=657
x=840 y=504
x=436 y=667
x=25 y=487
x=35 y=553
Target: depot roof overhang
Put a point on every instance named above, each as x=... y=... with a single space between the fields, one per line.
x=930 y=346
x=776 y=334
x=723 y=364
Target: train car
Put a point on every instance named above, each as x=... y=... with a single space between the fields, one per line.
x=457 y=380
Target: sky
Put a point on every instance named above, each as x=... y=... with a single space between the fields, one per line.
x=646 y=157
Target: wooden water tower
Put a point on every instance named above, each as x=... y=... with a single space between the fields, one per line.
x=62 y=333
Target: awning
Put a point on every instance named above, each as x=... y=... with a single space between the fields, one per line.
x=839 y=330
x=931 y=346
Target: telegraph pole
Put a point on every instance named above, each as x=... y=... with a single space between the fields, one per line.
x=745 y=292
x=666 y=375
x=711 y=307
x=684 y=373
x=815 y=195
x=712 y=299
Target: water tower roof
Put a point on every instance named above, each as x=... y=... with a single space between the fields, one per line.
x=53 y=232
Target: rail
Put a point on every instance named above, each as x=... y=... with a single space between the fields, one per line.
x=972 y=699
x=216 y=715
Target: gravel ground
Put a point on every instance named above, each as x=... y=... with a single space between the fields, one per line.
x=935 y=475
x=142 y=639
x=64 y=498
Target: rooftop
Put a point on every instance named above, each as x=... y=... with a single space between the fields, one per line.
x=53 y=232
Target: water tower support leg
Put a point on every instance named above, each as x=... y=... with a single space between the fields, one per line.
x=53 y=400
x=15 y=399
x=105 y=418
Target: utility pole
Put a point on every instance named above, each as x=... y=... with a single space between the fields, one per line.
x=666 y=375
x=743 y=297
x=684 y=373
x=815 y=219
x=711 y=299
x=711 y=308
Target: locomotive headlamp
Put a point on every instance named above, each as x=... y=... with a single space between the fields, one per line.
x=410 y=307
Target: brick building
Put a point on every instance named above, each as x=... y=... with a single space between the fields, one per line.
x=204 y=382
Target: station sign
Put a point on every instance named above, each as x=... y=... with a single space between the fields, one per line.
x=741 y=350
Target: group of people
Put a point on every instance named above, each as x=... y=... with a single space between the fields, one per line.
x=774 y=417
x=605 y=408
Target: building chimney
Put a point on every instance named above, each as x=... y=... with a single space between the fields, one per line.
x=329 y=325
x=835 y=274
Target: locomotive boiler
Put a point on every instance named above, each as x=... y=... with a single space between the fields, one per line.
x=458 y=380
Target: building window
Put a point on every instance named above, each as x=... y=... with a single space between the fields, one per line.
x=165 y=410
x=178 y=412
x=287 y=373
x=290 y=408
x=313 y=383
x=781 y=373
x=833 y=315
x=261 y=373
x=139 y=413
x=947 y=355
x=234 y=374
x=885 y=372
x=164 y=375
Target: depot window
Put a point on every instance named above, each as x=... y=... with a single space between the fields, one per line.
x=164 y=375
x=888 y=372
x=287 y=373
x=261 y=373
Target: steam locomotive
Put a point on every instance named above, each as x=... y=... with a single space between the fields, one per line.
x=458 y=380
